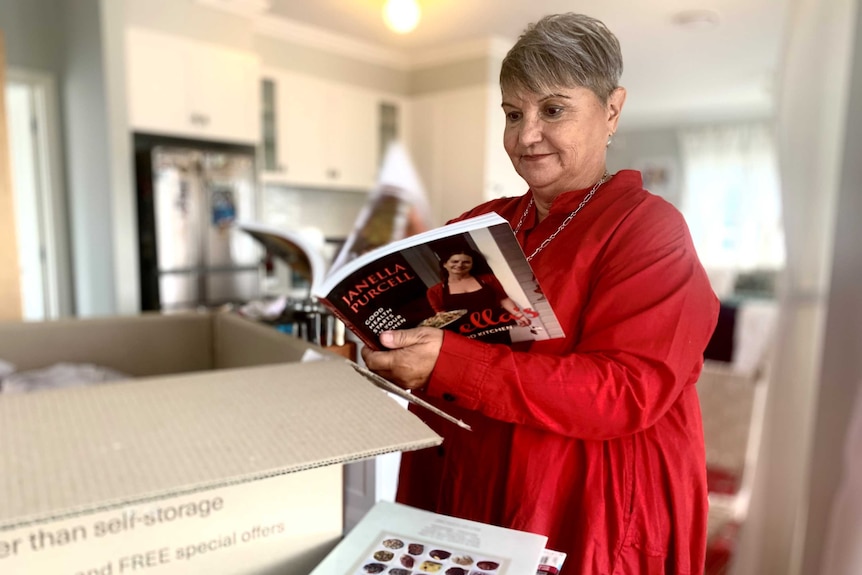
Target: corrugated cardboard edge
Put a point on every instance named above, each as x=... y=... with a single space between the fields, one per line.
x=344 y=389
x=154 y=497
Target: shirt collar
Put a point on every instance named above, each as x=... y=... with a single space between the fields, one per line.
x=569 y=201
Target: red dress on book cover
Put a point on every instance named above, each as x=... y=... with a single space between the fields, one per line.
x=595 y=439
x=488 y=297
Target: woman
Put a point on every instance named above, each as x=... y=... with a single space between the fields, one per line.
x=595 y=439
x=481 y=293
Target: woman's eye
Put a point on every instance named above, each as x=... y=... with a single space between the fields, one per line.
x=513 y=116
x=553 y=111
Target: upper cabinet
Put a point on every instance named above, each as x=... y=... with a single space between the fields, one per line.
x=320 y=133
x=182 y=87
x=458 y=146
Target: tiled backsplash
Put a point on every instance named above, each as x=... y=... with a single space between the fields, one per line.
x=318 y=213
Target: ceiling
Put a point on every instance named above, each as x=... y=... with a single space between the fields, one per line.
x=673 y=73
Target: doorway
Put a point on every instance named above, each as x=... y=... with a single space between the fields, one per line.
x=40 y=212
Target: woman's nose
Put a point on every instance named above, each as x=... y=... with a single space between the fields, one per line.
x=531 y=131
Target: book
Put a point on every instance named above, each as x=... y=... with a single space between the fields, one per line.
x=399 y=539
x=303 y=257
x=404 y=284
x=409 y=268
x=396 y=207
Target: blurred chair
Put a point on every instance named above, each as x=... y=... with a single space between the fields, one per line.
x=732 y=394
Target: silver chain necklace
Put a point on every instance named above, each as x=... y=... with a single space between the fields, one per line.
x=605 y=177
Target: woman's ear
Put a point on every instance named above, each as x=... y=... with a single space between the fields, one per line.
x=615 y=108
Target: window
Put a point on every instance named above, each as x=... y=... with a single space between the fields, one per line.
x=731 y=196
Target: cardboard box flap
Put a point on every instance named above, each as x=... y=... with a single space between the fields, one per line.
x=70 y=451
x=181 y=343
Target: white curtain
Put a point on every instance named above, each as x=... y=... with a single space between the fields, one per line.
x=731 y=196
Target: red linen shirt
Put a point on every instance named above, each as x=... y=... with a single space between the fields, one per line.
x=595 y=439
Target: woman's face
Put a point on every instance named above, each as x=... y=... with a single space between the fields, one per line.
x=557 y=141
x=459 y=264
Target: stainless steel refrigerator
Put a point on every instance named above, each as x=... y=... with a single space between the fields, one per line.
x=189 y=199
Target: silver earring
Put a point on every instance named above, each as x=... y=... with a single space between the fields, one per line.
x=610 y=139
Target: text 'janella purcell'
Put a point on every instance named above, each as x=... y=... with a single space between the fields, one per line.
x=363 y=292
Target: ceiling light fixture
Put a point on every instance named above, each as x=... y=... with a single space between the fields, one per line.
x=401 y=16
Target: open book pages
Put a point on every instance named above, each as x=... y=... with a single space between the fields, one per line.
x=397 y=198
x=406 y=284
x=302 y=255
x=382 y=220
x=394 y=538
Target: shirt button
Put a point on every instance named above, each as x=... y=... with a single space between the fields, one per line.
x=449 y=397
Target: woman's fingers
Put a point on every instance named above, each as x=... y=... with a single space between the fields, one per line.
x=411 y=359
x=401 y=338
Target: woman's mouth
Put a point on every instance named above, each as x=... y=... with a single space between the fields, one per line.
x=534 y=157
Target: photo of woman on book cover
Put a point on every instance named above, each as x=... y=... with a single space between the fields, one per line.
x=467 y=283
x=472 y=279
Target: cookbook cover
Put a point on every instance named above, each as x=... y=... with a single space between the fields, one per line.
x=470 y=277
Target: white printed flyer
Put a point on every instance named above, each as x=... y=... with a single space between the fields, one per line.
x=397 y=539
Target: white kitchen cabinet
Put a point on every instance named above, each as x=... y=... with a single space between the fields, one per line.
x=182 y=87
x=457 y=141
x=327 y=134
x=300 y=111
x=352 y=135
x=501 y=179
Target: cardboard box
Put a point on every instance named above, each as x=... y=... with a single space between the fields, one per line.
x=221 y=456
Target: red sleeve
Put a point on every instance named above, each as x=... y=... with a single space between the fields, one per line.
x=435 y=297
x=642 y=334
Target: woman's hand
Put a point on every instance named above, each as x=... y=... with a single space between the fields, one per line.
x=411 y=359
x=522 y=320
x=517 y=313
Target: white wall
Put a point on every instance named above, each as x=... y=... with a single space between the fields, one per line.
x=76 y=42
x=813 y=108
x=630 y=148
x=841 y=374
x=88 y=159
x=126 y=284
x=281 y=53
x=33 y=34
x=35 y=47
x=186 y=18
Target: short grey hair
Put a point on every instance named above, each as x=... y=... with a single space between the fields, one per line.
x=564 y=50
